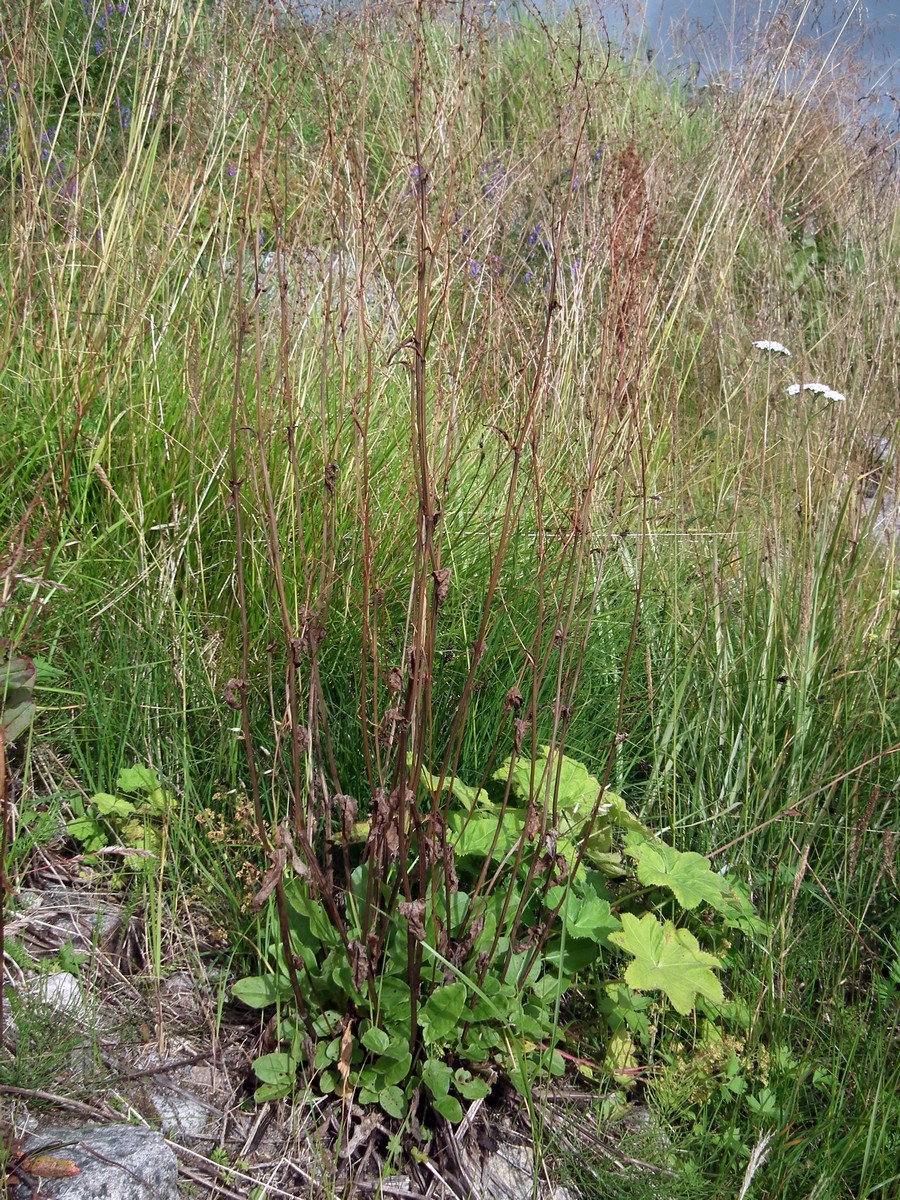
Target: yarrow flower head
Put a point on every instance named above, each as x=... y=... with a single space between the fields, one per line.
x=818 y=389
x=775 y=347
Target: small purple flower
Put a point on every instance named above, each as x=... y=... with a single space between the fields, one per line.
x=124 y=112
x=575 y=267
x=231 y=170
x=417 y=176
x=98 y=46
x=47 y=137
x=474 y=267
x=494 y=173
x=527 y=276
x=533 y=237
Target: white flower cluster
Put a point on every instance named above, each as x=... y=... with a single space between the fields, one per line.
x=819 y=389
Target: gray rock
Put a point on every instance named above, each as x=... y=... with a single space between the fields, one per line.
x=51 y=917
x=877 y=447
x=508 y=1174
x=182 y=1104
x=60 y=991
x=880 y=496
x=885 y=517
x=116 y=1162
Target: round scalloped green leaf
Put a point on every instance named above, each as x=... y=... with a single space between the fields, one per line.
x=112 y=806
x=667 y=960
x=137 y=779
x=476 y=835
x=687 y=875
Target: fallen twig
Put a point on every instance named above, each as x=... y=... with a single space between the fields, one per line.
x=78 y=1106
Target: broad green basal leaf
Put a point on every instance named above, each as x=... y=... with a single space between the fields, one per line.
x=392 y=1101
x=591 y=918
x=578 y=789
x=137 y=779
x=112 y=806
x=476 y=835
x=375 y=1040
x=468 y=796
x=686 y=874
x=437 y=1077
x=256 y=991
x=578 y=793
x=439 y=1015
x=277 y=1068
x=668 y=960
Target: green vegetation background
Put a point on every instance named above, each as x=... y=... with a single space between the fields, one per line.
x=211 y=231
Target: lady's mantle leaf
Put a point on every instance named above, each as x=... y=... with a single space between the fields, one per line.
x=578 y=789
x=578 y=795
x=668 y=960
x=687 y=875
x=477 y=835
x=137 y=779
x=469 y=796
